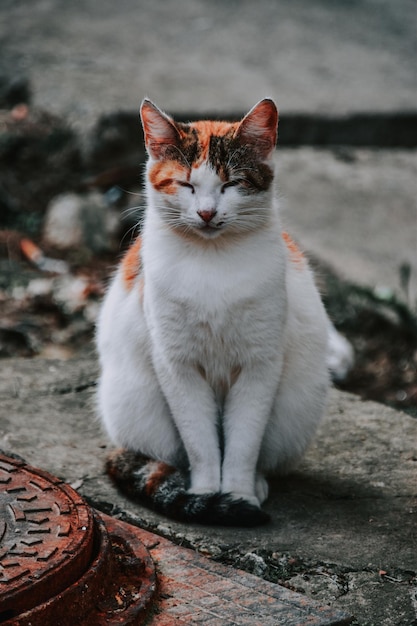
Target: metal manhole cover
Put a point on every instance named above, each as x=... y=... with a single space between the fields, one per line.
x=60 y=561
x=46 y=536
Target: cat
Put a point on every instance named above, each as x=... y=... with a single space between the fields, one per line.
x=212 y=338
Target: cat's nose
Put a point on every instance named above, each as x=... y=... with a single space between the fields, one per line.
x=207 y=215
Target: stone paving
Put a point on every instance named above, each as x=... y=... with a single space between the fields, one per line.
x=195 y=590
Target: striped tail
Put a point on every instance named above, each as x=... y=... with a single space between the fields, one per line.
x=162 y=488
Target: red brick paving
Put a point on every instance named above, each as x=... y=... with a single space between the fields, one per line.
x=195 y=590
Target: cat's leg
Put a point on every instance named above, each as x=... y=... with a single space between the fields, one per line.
x=194 y=410
x=246 y=414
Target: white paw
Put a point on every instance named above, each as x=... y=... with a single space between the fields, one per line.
x=340 y=355
x=261 y=488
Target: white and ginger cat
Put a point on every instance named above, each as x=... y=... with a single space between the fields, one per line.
x=213 y=339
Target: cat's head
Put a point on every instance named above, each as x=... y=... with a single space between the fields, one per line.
x=209 y=179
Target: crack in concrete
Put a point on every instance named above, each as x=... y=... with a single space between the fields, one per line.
x=75 y=388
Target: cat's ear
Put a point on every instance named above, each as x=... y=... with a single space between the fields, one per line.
x=159 y=130
x=259 y=127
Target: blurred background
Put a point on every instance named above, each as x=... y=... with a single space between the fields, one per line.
x=334 y=56
x=343 y=74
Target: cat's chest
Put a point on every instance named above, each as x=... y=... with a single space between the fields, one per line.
x=219 y=344
x=212 y=283
x=222 y=310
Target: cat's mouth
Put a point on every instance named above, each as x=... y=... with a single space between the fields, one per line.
x=210 y=230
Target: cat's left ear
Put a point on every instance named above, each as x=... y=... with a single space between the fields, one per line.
x=260 y=127
x=159 y=130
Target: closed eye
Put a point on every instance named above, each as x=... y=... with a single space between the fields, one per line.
x=230 y=183
x=187 y=185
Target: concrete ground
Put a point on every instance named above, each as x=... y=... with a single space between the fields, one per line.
x=348 y=514
x=343 y=526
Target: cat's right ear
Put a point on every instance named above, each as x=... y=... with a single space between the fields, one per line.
x=259 y=127
x=159 y=130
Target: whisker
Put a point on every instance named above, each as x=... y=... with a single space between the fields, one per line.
x=129 y=192
x=131 y=232
x=133 y=209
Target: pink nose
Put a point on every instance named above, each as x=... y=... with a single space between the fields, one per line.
x=208 y=215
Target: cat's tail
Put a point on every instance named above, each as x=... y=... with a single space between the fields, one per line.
x=162 y=488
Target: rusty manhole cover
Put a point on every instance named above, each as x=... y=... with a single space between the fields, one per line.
x=60 y=562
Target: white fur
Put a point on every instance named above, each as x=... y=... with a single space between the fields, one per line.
x=340 y=357
x=221 y=366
